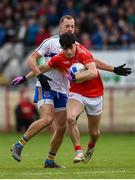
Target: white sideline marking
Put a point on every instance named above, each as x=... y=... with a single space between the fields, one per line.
x=86 y=172
x=74 y=173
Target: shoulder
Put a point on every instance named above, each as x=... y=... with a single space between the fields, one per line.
x=58 y=56
x=50 y=40
x=84 y=55
x=51 y=43
x=80 y=50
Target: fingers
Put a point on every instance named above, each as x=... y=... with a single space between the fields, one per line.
x=49 y=79
x=123 y=65
x=14 y=82
x=128 y=70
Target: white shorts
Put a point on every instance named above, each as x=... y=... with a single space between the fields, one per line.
x=92 y=106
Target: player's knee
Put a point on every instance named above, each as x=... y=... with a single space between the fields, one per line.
x=61 y=125
x=61 y=128
x=94 y=132
x=46 y=121
x=71 y=120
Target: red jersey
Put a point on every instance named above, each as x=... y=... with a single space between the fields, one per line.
x=89 y=88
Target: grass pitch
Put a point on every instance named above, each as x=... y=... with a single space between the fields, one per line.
x=114 y=157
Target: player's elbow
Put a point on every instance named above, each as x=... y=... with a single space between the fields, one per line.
x=29 y=61
x=93 y=74
x=32 y=59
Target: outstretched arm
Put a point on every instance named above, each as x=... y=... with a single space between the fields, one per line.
x=103 y=66
x=43 y=68
x=21 y=79
x=119 y=70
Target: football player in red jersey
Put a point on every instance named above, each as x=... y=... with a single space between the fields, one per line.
x=86 y=95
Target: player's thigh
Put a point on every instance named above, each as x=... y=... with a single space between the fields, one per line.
x=45 y=102
x=94 y=109
x=47 y=110
x=74 y=108
x=61 y=118
x=94 y=121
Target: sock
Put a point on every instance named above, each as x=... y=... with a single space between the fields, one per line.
x=91 y=145
x=51 y=156
x=78 y=149
x=22 y=141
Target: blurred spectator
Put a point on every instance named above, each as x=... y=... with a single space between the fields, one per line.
x=85 y=40
x=70 y=9
x=131 y=14
x=87 y=24
x=10 y=31
x=42 y=8
x=21 y=31
x=3 y=80
x=32 y=30
x=25 y=112
x=88 y=6
x=42 y=35
x=2 y=34
x=52 y=16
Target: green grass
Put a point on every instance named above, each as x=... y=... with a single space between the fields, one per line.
x=114 y=157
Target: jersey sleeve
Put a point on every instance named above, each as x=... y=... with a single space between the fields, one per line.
x=43 y=48
x=87 y=58
x=53 y=62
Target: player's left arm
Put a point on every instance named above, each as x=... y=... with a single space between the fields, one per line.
x=103 y=66
x=89 y=74
x=119 y=70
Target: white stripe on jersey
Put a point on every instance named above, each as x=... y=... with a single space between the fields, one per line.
x=48 y=48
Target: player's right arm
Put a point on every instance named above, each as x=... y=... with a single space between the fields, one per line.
x=43 y=68
x=37 y=70
x=21 y=79
x=32 y=62
x=32 y=59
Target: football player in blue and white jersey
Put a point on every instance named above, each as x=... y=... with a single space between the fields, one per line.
x=51 y=103
x=51 y=93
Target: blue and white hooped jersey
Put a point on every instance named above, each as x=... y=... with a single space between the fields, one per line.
x=47 y=49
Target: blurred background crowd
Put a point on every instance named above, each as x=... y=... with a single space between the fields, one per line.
x=24 y=24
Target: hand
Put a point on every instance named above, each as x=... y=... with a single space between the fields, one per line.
x=121 y=70
x=19 y=80
x=71 y=76
x=44 y=81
